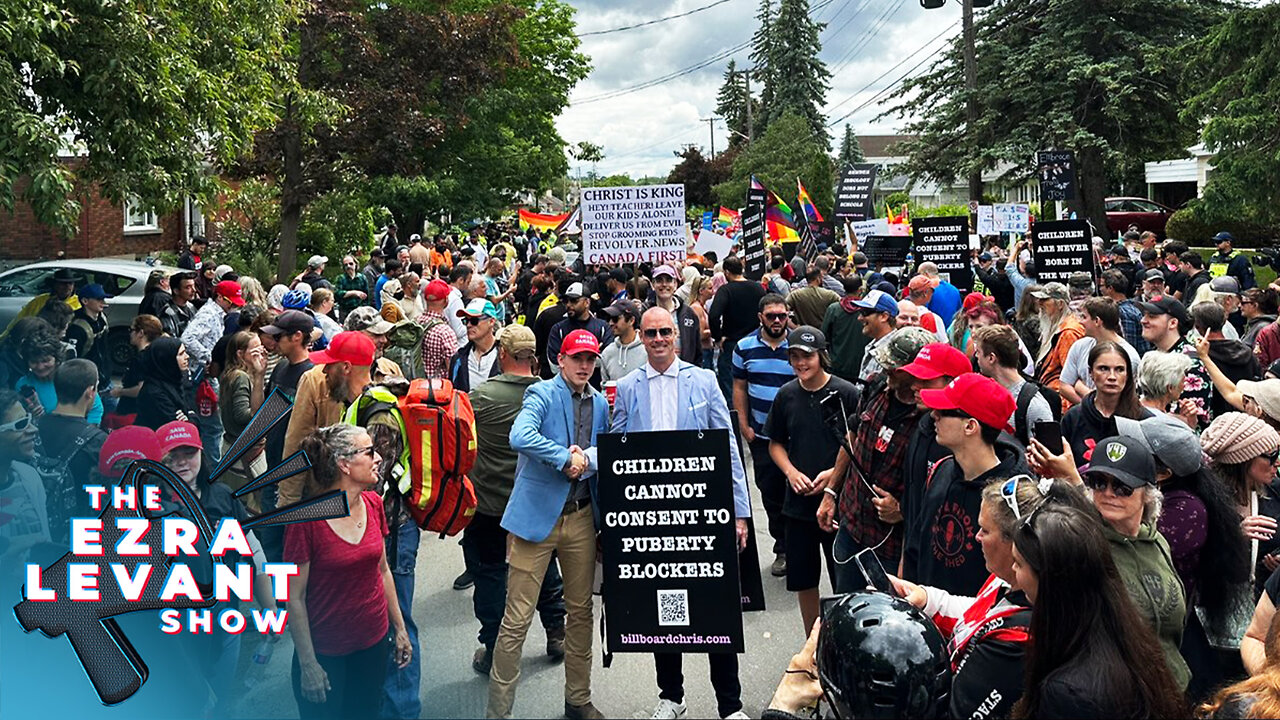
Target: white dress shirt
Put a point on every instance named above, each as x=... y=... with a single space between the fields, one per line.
x=664 y=394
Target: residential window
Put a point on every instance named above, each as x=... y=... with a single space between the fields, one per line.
x=138 y=219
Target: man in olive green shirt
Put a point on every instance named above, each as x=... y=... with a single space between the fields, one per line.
x=484 y=542
x=809 y=304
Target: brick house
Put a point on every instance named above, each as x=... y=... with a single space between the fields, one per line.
x=104 y=229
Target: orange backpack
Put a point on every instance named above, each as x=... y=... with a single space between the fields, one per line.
x=440 y=441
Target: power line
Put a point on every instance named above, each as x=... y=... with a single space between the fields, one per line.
x=652 y=22
x=897 y=65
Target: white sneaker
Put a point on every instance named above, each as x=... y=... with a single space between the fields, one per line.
x=738 y=716
x=668 y=710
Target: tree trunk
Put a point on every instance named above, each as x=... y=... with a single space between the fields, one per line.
x=290 y=205
x=1091 y=179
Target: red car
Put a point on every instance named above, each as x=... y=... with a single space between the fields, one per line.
x=1141 y=212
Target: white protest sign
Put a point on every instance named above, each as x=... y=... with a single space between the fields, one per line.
x=713 y=242
x=986 y=220
x=633 y=224
x=879 y=226
x=1010 y=217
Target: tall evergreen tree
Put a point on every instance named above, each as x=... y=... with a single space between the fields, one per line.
x=850 y=150
x=731 y=104
x=800 y=76
x=1086 y=75
x=764 y=67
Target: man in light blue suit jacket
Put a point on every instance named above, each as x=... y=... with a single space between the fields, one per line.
x=668 y=393
x=550 y=511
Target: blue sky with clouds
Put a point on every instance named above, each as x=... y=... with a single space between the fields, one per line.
x=863 y=40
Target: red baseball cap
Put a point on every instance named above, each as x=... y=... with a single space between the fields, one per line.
x=436 y=290
x=177 y=434
x=580 y=341
x=986 y=400
x=132 y=442
x=351 y=346
x=937 y=360
x=230 y=290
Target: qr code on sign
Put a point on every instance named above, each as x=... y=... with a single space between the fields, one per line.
x=673 y=607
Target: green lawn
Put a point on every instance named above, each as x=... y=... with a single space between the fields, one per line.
x=1265 y=275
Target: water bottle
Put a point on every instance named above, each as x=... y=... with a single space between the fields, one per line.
x=261 y=657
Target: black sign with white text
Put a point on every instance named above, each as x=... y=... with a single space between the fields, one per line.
x=1061 y=247
x=1057 y=171
x=669 y=542
x=752 y=236
x=886 y=251
x=853 y=192
x=944 y=241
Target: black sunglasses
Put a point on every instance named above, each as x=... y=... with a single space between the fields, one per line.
x=473 y=320
x=775 y=316
x=1099 y=483
x=652 y=333
x=1272 y=456
x=954 y=413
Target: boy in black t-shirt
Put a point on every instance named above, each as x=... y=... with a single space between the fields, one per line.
x=67 y=439
x=804 y=445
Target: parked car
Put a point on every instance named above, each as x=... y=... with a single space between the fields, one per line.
x=124 y=280
x=1141 y=212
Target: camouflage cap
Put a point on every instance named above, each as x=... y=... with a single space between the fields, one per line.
x=903 y=346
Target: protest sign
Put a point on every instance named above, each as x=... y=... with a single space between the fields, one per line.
x=749 y=578
x=751 y=239
x=633 y=224
x=986 y=220
x=944 y=241
x=1057 y=172
x=713 y=242
x=878 y=226
x=708 y=219
x=669 y=542
x=853 y=192
x=1011 y=217
x=1061 y=247
x=886 y=251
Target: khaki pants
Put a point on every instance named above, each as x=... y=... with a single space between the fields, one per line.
x=573 y=539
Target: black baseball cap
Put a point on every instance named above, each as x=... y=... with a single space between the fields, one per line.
x=377 y=252
x=623 y=307
x=1167 y=305
x=1154 y=275
x=807 y=338
x=1123 y=458
x=289 y=322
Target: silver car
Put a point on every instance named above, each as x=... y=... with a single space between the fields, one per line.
x=124 y=280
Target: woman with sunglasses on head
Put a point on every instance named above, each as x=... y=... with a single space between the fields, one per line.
x=1114 y=396
x=1092 y=652
x=1244 y=452
x=988 y=634
x=343 y=601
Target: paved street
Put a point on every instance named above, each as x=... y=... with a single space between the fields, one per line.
x=451 y=689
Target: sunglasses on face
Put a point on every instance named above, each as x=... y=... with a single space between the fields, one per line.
x=775 y=317
x=954 y=414
x=652 y=333
x=1271 y=457
x=473 y=320
x=18 y=425
x=362 y=451
x=1098 y=483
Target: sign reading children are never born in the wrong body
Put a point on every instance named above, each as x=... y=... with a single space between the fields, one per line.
x=669 y=539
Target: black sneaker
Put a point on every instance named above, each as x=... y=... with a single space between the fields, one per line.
x=777 y=569
x=463 y=581
x=555 y=642
x=582 y=712
x=482 y=662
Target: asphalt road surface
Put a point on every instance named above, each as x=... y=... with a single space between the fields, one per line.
x=447 y=635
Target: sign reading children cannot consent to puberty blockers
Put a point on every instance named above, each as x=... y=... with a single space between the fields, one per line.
x=633 y=224
x=670 y=543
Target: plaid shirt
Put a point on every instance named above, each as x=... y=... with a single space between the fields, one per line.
x=439 y=343
x=880 y=451
x=1131 y=326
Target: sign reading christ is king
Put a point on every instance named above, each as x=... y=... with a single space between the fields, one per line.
x=669 y=541
x=633 y=224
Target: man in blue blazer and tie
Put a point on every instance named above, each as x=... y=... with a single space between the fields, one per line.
x=668 y=393
x=550 y=512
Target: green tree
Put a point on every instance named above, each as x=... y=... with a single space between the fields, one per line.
x=786 y=151
x=1084 y=75
x=149 y=94
x=731 y=104
x=850 y=149
x=765 y=69
x=1231 y=75
x=801 y=78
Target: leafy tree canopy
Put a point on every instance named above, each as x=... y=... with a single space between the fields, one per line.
x=786 y=151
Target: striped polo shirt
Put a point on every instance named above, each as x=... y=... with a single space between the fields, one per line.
x=765 y=370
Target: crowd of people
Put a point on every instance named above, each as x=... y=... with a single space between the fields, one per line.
x=1072 y=482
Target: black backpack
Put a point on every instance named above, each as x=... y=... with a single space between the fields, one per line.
x=1025 y=396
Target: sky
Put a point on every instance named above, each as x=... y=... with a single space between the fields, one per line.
x=868 y=45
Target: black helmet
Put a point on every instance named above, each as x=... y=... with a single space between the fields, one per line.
x=880 y=657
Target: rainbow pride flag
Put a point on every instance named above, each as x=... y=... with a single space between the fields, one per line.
x=726 y=217
x=540 y=221
x=779 y=222
x=810 y=210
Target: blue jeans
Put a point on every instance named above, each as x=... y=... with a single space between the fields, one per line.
x=401 y=695
x=708 y=359
x=484 y=549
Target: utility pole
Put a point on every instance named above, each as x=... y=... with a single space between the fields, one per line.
x=971 y=90
x=747 y=77
x=711 y=123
